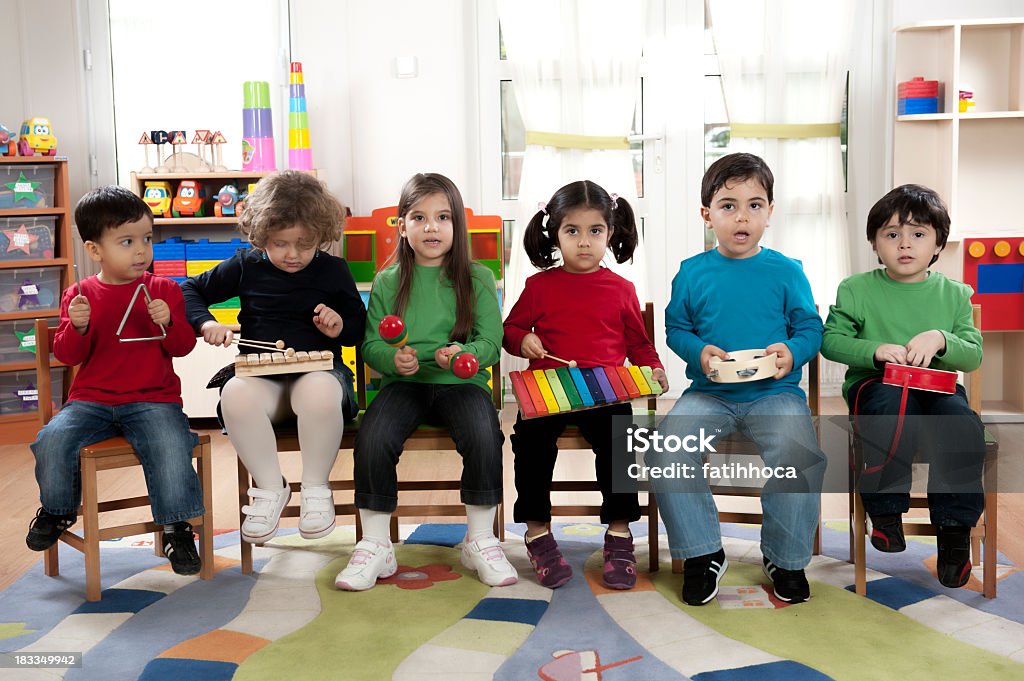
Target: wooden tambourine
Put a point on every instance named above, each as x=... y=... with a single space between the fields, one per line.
x=743 y=366
x=920 y=378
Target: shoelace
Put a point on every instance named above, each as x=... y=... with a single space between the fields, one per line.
x=493 y=554
x=360 y=557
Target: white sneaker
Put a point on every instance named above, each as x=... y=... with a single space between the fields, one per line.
x=264 y=514
x=488 y=560
x=316 y=515
x=370 y=561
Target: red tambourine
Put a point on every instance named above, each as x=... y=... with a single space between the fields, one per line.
x=920 y=378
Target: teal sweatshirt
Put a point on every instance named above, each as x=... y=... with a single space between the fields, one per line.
x=871 y=309
x=429 y=318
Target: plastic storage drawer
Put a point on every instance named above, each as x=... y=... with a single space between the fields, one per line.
x=18 y=340
x=24 y=186
x=27 y=238
x=18 y=394
x=29 y=288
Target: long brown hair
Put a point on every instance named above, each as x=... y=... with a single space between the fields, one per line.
x=457 y=265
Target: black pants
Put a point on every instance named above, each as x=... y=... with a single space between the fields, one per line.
x=398 y=410
x=942 y=430
x=534 y=443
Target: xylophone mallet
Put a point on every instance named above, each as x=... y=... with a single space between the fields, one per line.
x=571 y=363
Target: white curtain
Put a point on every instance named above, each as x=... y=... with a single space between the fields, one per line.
x=785 y=62
x=576 y=71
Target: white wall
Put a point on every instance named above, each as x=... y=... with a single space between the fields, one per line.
x=371 y=130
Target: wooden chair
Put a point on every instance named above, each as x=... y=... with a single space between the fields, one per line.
x=425 y=438
x=108 y=455
x=572 y=439
x=986 y=529
x=738 y=444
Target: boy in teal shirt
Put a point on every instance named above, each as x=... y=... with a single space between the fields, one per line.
x=904 y=314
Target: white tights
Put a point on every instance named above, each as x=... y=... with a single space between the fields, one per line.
x=250 y=405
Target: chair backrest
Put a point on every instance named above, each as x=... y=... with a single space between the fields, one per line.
x=44 y=343
x=974 y=382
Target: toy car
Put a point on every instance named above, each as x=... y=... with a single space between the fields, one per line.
x=227 y=199
x=157 y=196
x=8 y=147
x=190 y=201
x=37 y=135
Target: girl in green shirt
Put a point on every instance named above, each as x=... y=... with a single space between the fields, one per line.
x=448 y=304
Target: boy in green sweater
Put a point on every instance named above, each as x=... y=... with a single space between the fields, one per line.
x=904 y=314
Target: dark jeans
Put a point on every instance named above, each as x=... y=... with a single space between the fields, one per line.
x=954 y=448
x=534 y=442
x=472 y=421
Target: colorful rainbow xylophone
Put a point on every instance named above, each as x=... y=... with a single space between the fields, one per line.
x=565 y=389
x=269 y=363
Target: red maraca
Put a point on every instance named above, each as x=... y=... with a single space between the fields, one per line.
x=464 y=364
x=392 y=331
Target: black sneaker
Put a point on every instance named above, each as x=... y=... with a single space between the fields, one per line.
x=790 y=585
x=701 y=576
x=46 y=528
x=887 y=533
x=954 y=560
x=180 y=549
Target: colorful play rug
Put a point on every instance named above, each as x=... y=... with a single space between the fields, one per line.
x=432 y=620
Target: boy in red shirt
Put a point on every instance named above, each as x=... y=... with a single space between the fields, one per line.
x=122 y=388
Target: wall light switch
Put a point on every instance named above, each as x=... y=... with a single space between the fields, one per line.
x=406 y=67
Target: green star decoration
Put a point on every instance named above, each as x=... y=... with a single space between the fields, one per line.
x=26 y=340
x=23 y=188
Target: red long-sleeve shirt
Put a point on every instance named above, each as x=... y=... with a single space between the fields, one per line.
x=592 y=318
x=113 y=372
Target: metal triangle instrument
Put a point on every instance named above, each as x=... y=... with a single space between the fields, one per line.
x=131 y=304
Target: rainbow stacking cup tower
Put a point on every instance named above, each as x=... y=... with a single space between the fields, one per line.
x=300 y=156
x=257 y=128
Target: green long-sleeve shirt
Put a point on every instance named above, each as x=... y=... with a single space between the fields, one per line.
x=429 y=318
x=871 y=309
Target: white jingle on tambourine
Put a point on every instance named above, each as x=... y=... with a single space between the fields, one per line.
x=743 y=366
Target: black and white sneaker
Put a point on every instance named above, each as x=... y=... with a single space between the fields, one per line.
x=701 y=576
x=180 y=549
x=790 y=585
x=46 y=528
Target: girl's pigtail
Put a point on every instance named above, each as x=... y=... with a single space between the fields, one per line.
x=539 y=246
x=624 y=235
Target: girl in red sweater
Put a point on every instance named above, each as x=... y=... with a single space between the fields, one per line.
x=576 y=309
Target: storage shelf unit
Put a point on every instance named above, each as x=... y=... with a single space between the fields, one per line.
x=19 y=418
x=973 y=159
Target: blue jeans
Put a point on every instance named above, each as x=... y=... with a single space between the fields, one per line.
x=471 y=419
x=159 y=433
x=790 y=518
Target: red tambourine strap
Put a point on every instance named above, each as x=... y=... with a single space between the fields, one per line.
x=899 y=422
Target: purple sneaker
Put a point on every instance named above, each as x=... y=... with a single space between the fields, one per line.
x=552 y=570
x=619 y=562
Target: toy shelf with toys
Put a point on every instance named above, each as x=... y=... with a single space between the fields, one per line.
x=36 y=261
x=969 y=151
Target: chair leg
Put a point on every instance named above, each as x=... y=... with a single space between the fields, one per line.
x=245 y=548
x=859 y=547
x=677 y=566
x=653 y=538
x=51 y=561
x=158 y=543
x=499 y=522
x=91 y=530
x=205 y=464
x=394 y=527
x=991 y=545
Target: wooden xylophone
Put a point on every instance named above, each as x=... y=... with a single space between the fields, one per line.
x=558 y=391
x=269 y=363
